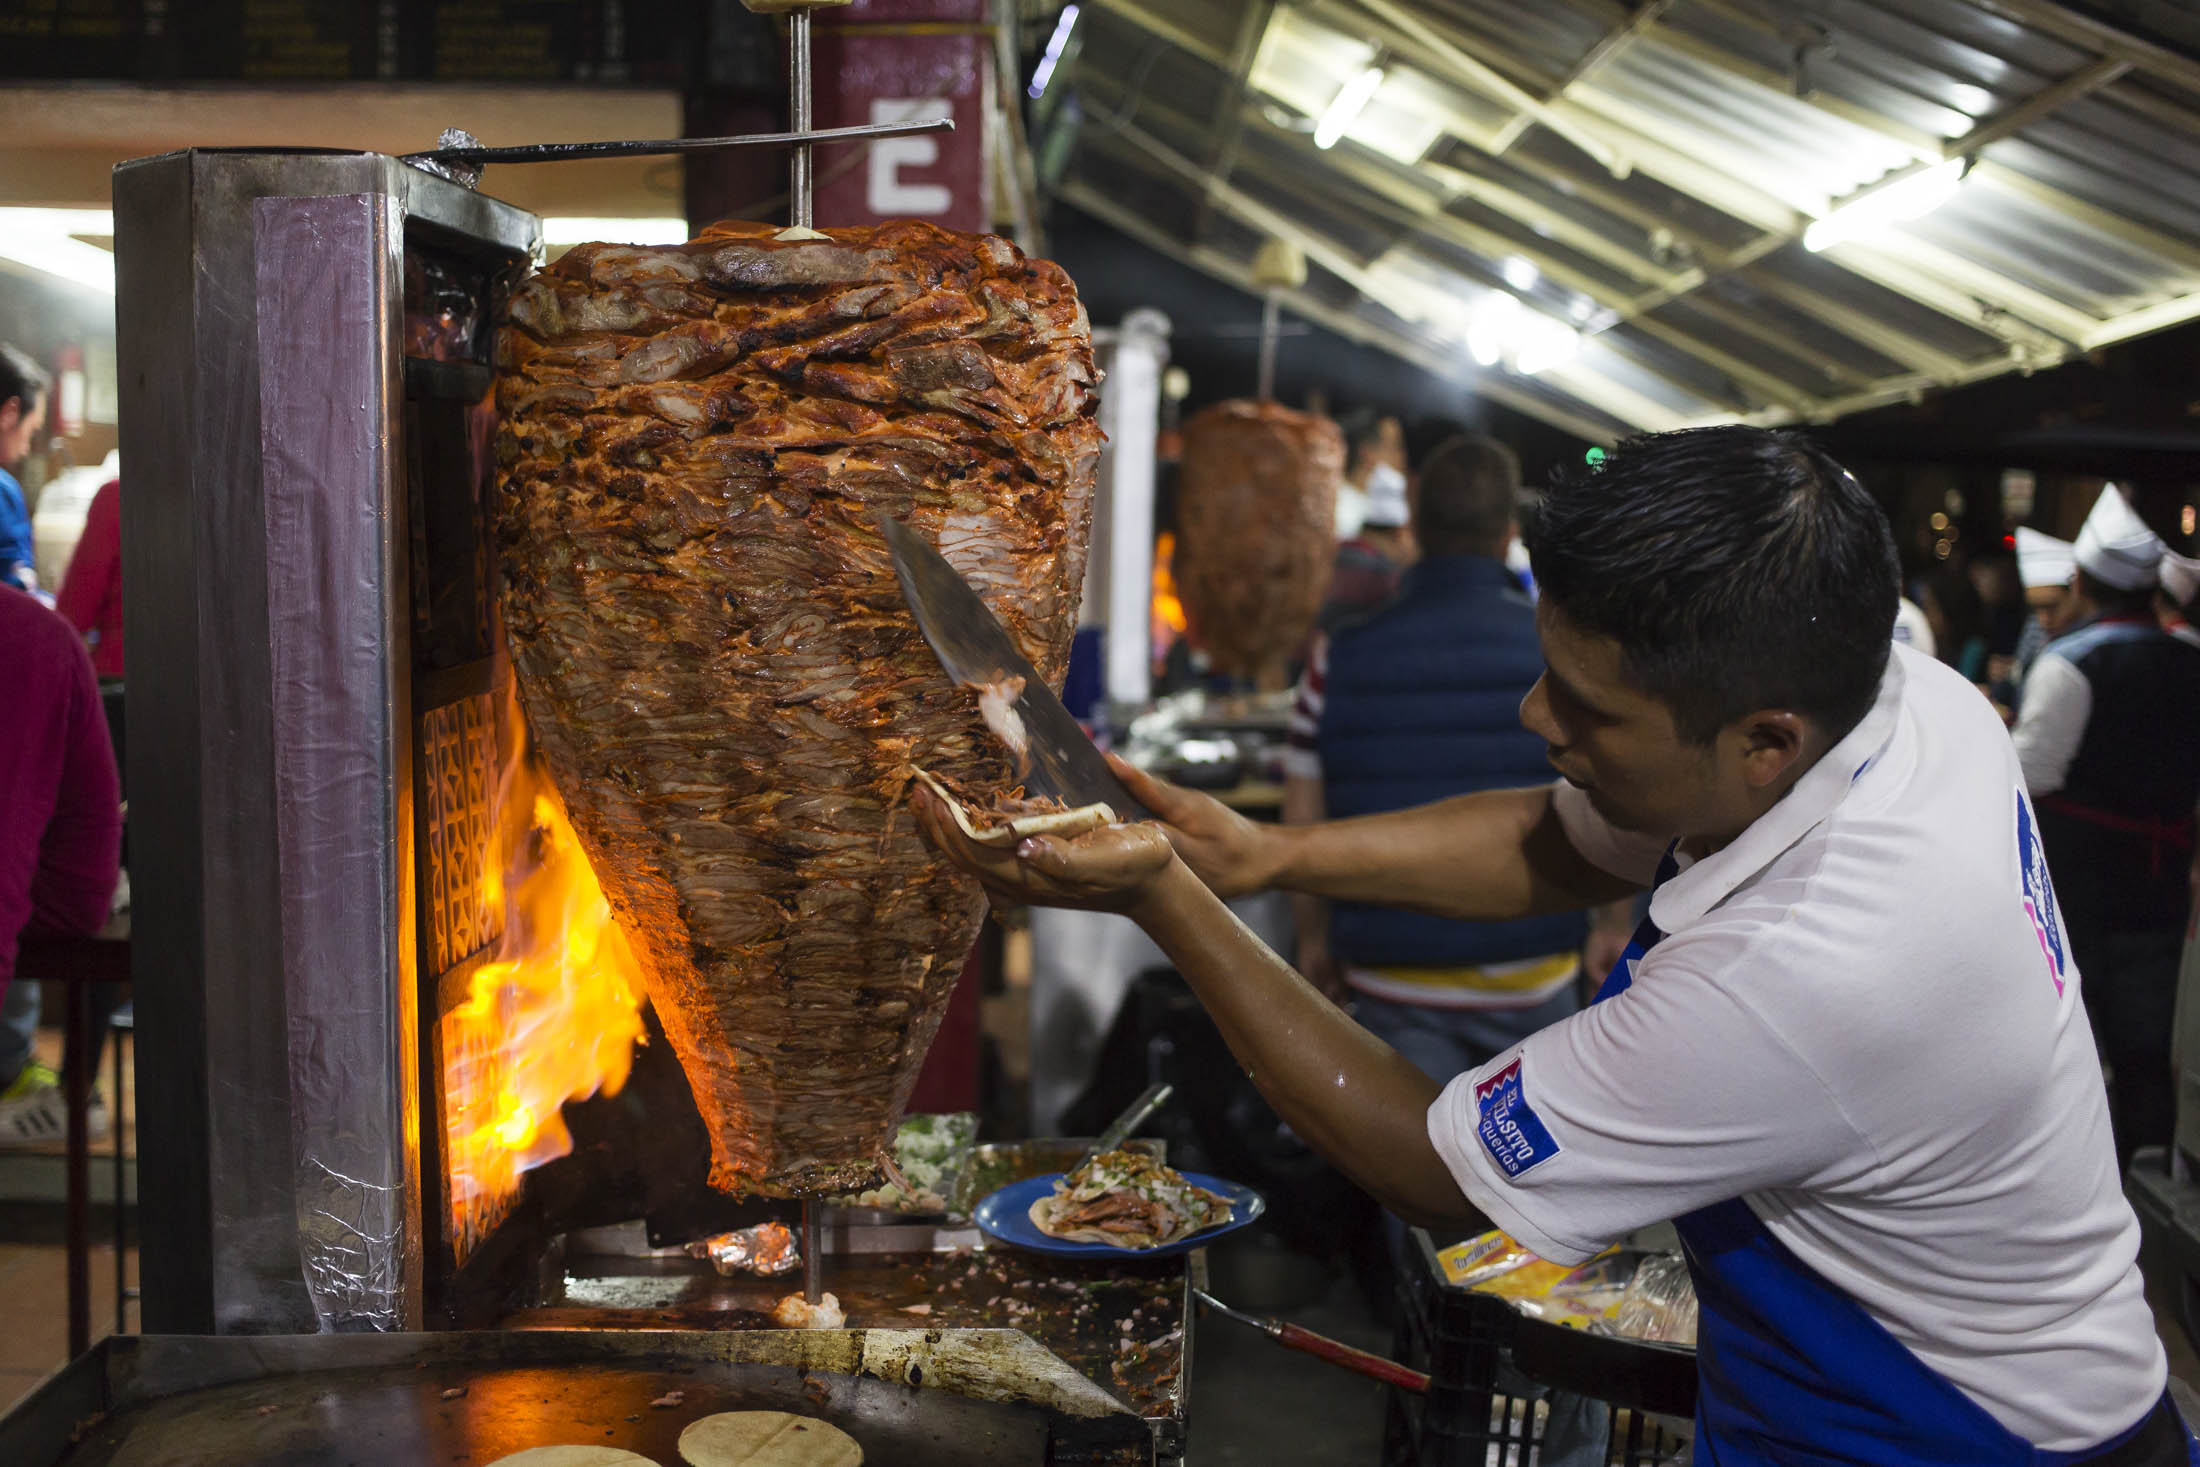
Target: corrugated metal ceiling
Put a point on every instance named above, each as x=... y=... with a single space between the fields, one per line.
x=1641 y=177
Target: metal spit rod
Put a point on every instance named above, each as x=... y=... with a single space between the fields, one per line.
x=813 y=1261
x=1271 y=327
x=801 y=188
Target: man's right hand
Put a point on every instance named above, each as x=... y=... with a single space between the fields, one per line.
x=1231 y=854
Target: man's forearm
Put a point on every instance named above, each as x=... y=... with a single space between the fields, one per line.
x=1490 y=857
x=1346 y=1093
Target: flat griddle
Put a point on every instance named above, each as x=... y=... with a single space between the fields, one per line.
x=462 y=1399
x=1120 y=1324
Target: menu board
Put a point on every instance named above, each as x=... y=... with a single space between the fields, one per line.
x=616 y=42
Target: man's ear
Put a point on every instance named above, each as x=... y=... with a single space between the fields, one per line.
x=1772 y=740
x=11 y=413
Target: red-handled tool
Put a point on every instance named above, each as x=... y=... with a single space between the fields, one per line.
x=1336 y=1352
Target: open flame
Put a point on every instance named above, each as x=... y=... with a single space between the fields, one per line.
x=553 y=1014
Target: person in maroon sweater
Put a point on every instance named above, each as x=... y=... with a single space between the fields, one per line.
x=60 y=817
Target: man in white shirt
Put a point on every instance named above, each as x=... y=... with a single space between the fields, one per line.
x=1846 y=1053
x=2109 y=737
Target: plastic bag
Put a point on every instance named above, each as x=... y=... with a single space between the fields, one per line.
x=1660 y=1302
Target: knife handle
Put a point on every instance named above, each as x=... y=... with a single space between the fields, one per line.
x=1336 y=1352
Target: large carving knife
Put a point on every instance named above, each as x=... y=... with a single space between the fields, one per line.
x=977 y=653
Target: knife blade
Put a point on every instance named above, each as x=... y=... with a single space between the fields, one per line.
x=977 y=652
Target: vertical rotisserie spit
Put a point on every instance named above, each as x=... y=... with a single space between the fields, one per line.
x=1256 y=509
x=714 y=656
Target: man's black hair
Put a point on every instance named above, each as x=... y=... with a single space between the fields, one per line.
x=22 y=379
x=1468 y=495
x=1737 y=568
x=2114 y=600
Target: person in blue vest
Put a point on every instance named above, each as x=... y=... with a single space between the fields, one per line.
x=1847 y=1052
x=2109 y=738
x=1414 y=701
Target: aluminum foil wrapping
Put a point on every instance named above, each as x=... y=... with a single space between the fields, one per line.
x=325 y=430
x=767 y=1248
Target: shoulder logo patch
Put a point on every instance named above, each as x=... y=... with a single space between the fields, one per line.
x=2039 y=895
x=1511 y=1131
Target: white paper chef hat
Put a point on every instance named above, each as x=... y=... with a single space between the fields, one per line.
x=2180 y=577
x=2043 y=560
x=1386 y=499
x=2115 y=547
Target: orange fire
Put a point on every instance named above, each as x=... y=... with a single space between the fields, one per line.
x=552 y=1015
x=1168 y=610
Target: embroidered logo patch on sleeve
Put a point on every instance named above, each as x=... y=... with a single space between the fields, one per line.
x=1513 y=1133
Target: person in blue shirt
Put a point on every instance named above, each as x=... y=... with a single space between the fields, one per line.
x=24 y=390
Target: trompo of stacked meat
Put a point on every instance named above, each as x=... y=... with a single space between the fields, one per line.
x=715 y=658
x=1256 y=532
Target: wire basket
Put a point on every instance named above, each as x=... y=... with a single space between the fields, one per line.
x=1506 y=1390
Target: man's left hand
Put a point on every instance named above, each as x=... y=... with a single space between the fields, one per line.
x=1111 y=869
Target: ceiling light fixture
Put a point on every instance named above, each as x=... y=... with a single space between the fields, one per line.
x=1351 y=99
x=1490 y=327
x=45 y=240
x=1052 y=56
x=1544 y=344
x=1903 y=198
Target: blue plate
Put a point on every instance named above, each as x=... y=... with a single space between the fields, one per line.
x=1006 y=1215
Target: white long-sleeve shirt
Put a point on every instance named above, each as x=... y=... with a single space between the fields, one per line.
x=2051 y=723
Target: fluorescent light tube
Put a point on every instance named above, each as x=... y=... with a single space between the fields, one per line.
x=1052 y=56
x=1911 y=196
x=1350 y=100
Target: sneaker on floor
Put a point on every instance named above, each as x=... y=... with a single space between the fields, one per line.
x=32 y=1110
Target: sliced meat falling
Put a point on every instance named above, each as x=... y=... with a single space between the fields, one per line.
x=1256 y=509
x=713 y=652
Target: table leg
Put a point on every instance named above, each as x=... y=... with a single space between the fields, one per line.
x=77 y=1091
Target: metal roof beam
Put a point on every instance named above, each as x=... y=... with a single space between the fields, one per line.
x=1623 y=34
x=1221 y=266
x=1148 y=19
x=1487 y=80
x=2158 y=317
x=1252 y=36
x=1328 y=253
x=1421 y=206
x=1992 y=129
x=2069 y=26
x=1931 y=147
x=1345 y=267
x=1889 y=342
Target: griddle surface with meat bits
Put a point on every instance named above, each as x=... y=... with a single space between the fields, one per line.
x=1119 y=1324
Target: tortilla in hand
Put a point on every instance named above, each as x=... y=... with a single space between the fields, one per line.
x=1016 y=818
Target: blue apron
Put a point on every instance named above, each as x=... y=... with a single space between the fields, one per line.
x=1794 y=1372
